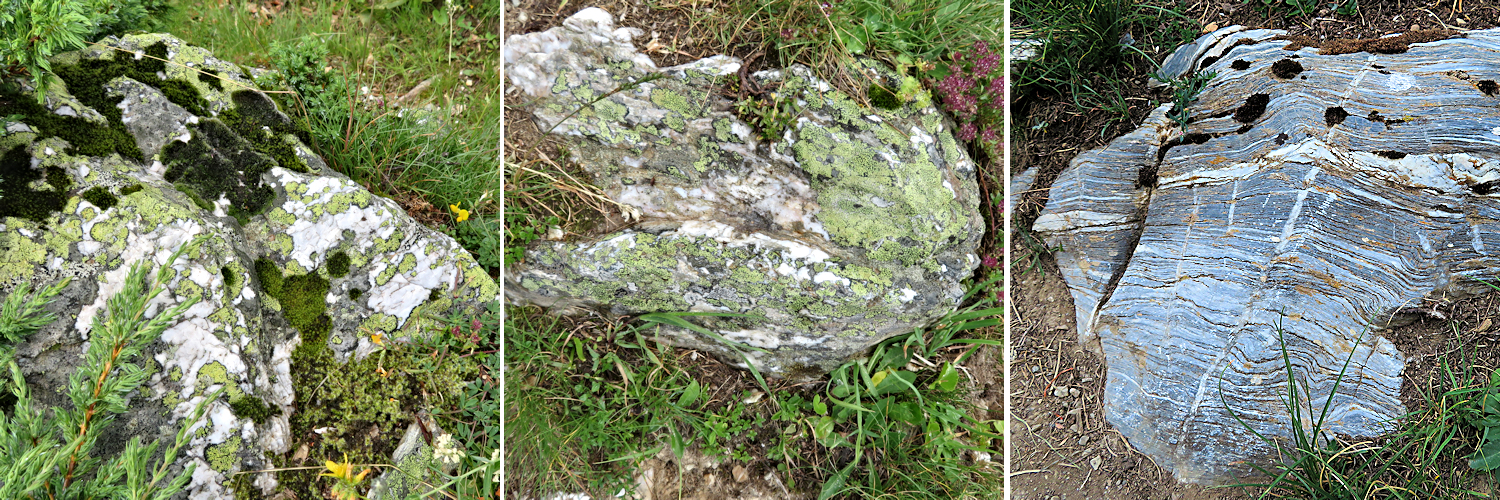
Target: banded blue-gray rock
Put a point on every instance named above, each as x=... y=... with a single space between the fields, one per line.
x=1308 y=198
x=850 y=225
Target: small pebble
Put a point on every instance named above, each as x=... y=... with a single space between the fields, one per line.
x=1060 y=392
x=1087 y=380
x=1083 y=441
x=1075 y=411
x=1035 y=369
x=1076 y=429
x=1073 y=391
x=1096 y=462
x=740 y=474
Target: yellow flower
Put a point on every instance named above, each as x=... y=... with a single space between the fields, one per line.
x=376 y=338
x=347 y=479
x=463 y=215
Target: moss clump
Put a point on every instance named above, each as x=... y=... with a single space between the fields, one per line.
x=18 y=198
x=217 y=162
x=131 y=189
x=883 y=98
x=302 y=300
x=355 y=293
x=253 y=408
x=270 y=277
x=186 y=95
x=100 y=197
x=338 y=264
x=253 y=114
x=212 y=80
x=231 y=280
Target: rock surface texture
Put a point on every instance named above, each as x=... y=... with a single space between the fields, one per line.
x=130 y=157
x=854 y=225
x=1309 y=198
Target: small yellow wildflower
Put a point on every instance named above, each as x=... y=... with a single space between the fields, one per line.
x=463 y=215
x=377 y=339
x=348 y=481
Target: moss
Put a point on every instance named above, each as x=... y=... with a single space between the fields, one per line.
x=253 y=408
x=18 y=198
x=253 y=114
x=301 y=298
x=213 y=82
x=270 y=277
x=184 y=94
x=355 y=293
x=131 y=189
x=338 y=264
x=219 y=163
x=100 y=197
x=883 y=98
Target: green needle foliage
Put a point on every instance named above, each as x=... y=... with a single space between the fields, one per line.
x=32 y=31
x=45 y=453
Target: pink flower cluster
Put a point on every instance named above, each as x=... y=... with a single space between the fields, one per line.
x=974 y=93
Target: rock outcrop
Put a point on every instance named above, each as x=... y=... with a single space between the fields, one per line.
x=149 y=142
x=1311 y=196
x=848 y=226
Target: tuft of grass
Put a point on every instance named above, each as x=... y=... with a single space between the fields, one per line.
x=1087 y=51
x=1414 y=462
x=587 y=402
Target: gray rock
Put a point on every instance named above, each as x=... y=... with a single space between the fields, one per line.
x=273 y=212
x=854 y=225
x=1198 y=256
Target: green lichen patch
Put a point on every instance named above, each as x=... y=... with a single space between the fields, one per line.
x=18 y=197
x=100 y=197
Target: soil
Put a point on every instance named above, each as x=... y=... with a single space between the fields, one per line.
x=1062 y=448
x=681 y=37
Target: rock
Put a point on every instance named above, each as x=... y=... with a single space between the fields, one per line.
x=414 y=459
x=1309 y=199
x=854 y=225
x=145 y=157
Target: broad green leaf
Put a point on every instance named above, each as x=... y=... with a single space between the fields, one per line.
x=947 y=378
x=689 y=395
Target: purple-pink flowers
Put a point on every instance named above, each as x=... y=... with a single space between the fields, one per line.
x=974 y=94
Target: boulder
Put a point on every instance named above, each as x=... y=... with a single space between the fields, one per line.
x=1310 y=197
x=147 y=143
x=850 y=225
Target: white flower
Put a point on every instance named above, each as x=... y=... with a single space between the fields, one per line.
x=446 y=450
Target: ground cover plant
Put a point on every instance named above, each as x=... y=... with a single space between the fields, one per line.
x=1068 y=100
x=594 y=405
x=46 y=452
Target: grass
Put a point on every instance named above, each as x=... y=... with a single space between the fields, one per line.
x=1087 y=51
x=588 y=402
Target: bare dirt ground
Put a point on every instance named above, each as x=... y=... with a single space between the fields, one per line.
x=1062 y=448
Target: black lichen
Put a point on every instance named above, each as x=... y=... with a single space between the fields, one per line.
x=1253 y=108
x=338 y=264
x=1335 y=115
x=1489 y=87
x=1240 y=65
x=18 y=198
x=1285 y=69
x=100 y=197
x=253 y=408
